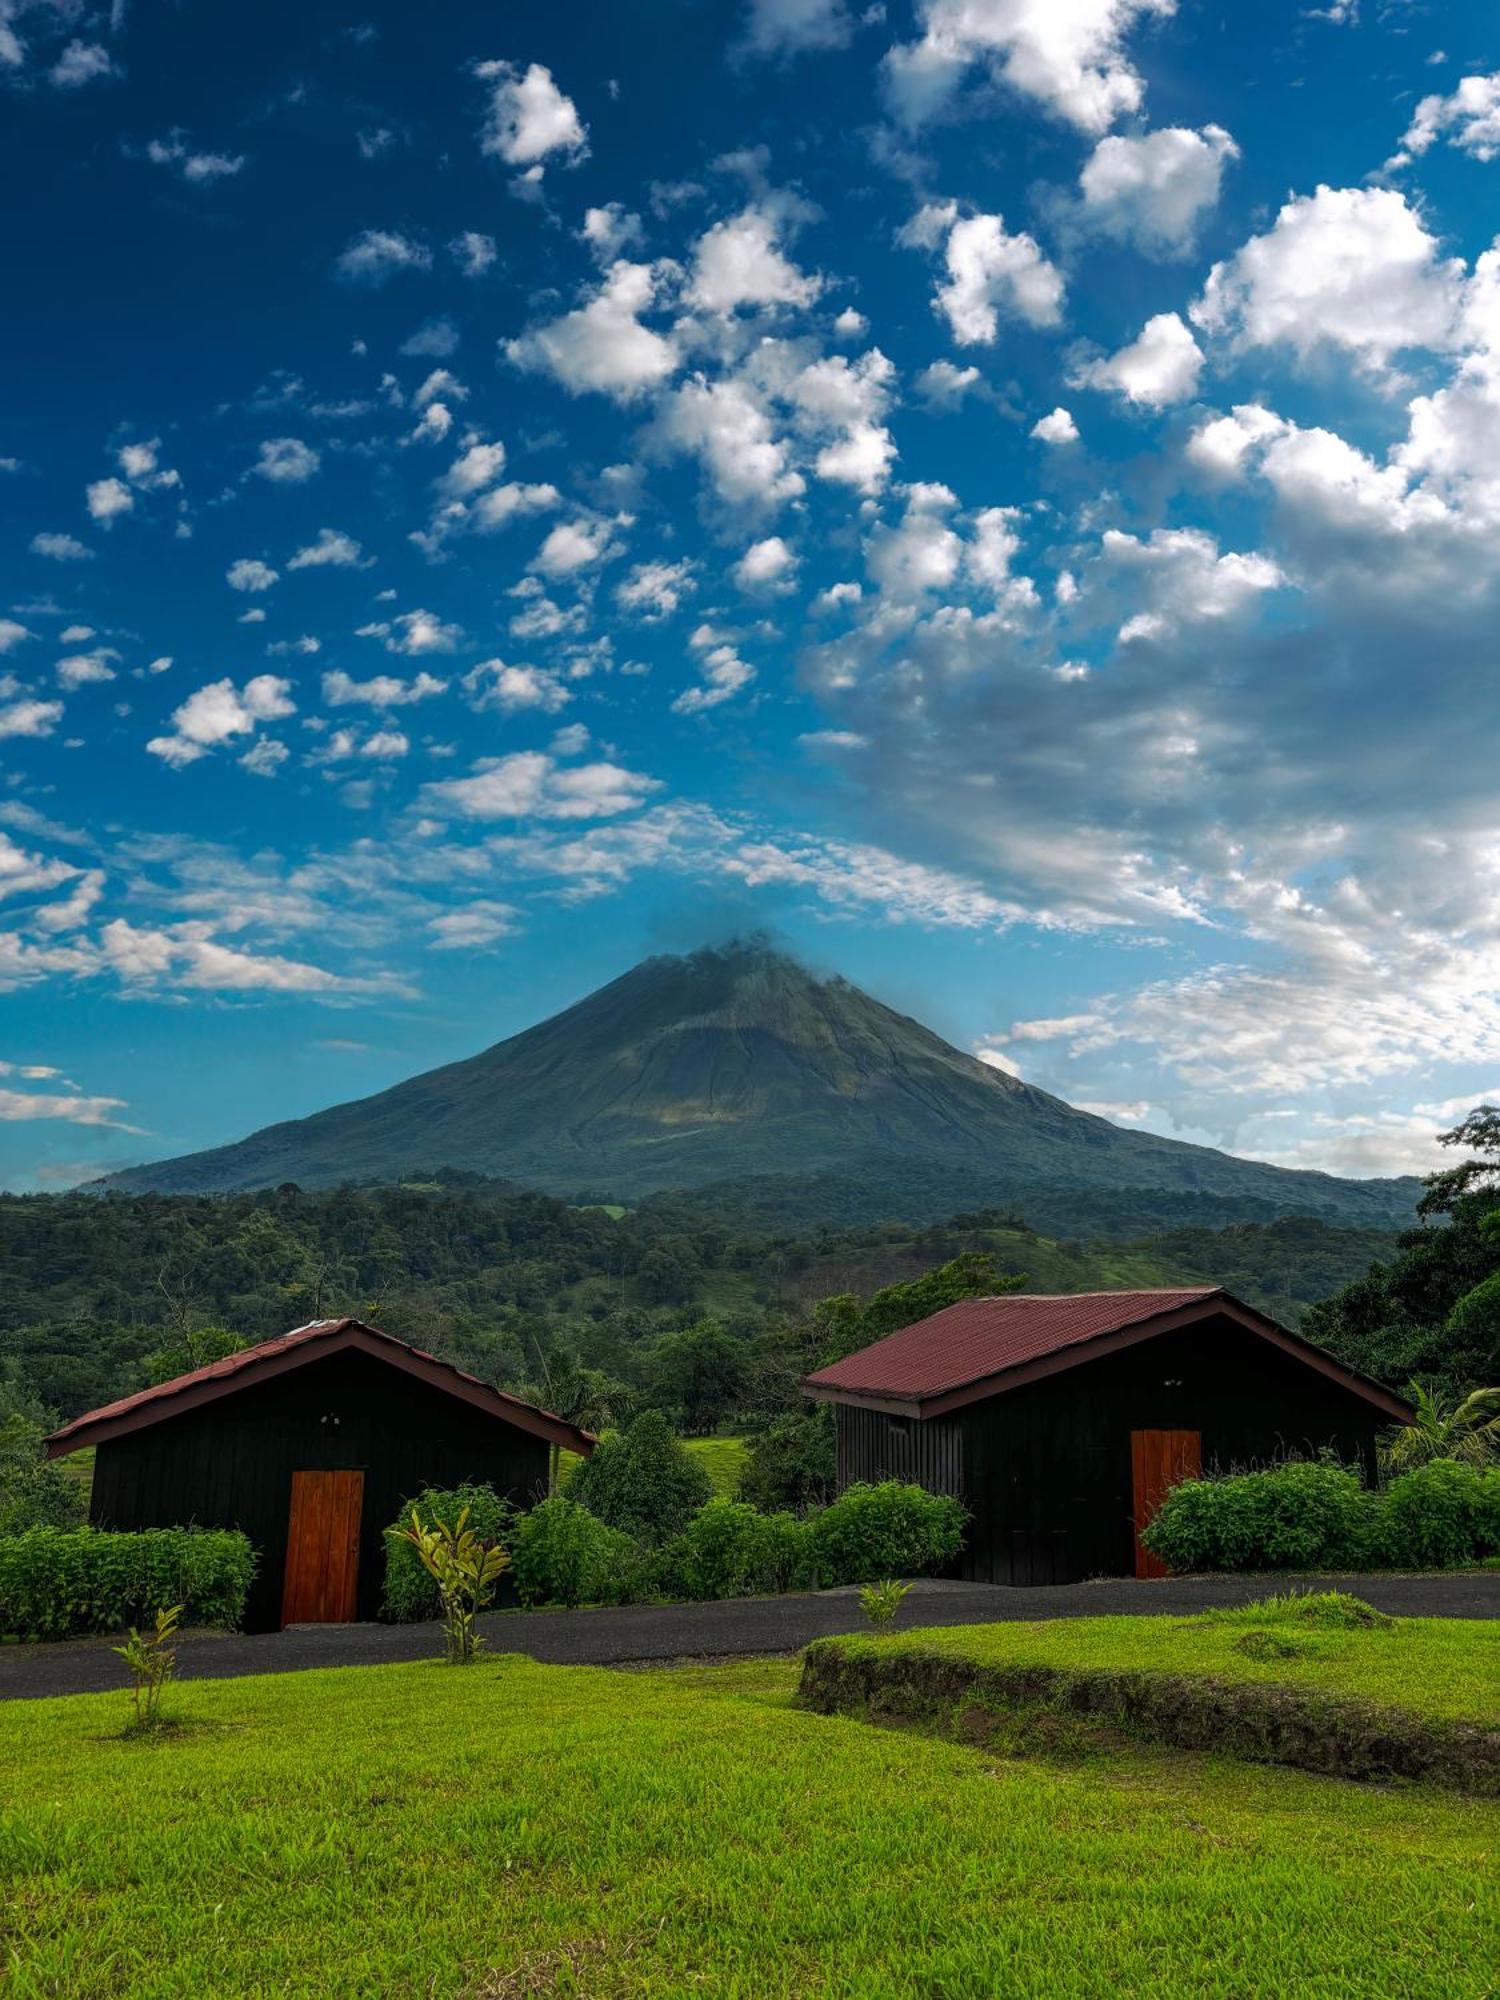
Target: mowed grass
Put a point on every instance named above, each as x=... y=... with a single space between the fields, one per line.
x=1447 y=1667
x=518 y=1829
x=723 y=1457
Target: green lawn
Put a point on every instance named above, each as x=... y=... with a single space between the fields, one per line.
x=1446 y=1667
x=517 y=1829
x=723 y=1456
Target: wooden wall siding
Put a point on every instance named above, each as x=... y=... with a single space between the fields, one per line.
x=230 y=1464
x=1046 y=1470
x=873 y=1446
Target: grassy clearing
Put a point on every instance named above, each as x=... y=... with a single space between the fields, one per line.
x=723 y=1458
x=520 y=1829
x=1445 y=1667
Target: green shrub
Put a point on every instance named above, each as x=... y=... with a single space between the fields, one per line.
x=793 y=1462
x=58 y=1583
x=411 y=1595
x=1441 y=1514
x=888 y=1530
x=730 y=1550
x=561 y=1554
x=642 y=1480
x=1306 y=1514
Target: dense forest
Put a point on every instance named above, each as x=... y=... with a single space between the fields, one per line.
x=106 y=1293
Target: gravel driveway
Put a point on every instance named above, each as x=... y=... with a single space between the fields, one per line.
x=617 y=1637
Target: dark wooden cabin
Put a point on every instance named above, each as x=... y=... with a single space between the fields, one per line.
x=1060 y=1421
x=310 y=1444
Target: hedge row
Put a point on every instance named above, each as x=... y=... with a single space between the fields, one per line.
x=1339 y=1736
x=59 y=1583
x=562 y=1554
x=1318 y=1515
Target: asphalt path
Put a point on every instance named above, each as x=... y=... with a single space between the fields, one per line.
x=630 y=1634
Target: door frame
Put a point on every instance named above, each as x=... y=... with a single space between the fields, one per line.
x=321 y=1570
x=1158 y=1460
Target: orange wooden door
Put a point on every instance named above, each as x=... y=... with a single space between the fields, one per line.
x=322 y=1548
x=1158 y=1459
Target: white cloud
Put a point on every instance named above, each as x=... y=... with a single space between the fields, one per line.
x=603 y=345
x=415 y=633
x=108 y=498
x=86 y=669
x=494 y=684
x=16 y=1105
x=197 y=169
x=29 y=718
x=529 y=118
x=725 y=424
x=1067 y=54
x=1354 y=269
x=12 y=634
x=788 y=27
x=215 y=714
x=380 y=691
x=1185 y=578
x=332 y=550
x=840 y=406
x=473 y=252
x=724 y=674
x=611 y=230
x=654 y=590
x=477 y=466
x=1057 y=427
x=944 y=386
x=250 y=574
x=376 y=255
x=81 y=63
x=434 y=339
x=766 y=565
x=1160 y=366
x=530 y=784
x=471 y=928
x=1151 y=191
x=286 y=461
x=187 y=957
x=264 y=758
x=573 y=546
x=738 y=263
x=991 y=273
x=1468 y=118
x=60 y=548
x=921 y=552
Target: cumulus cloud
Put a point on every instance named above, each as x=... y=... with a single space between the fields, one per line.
x=610 y=231
x=1468 y=118
x=723 y=674
x=603 y=345
x=81 y=63
x=529 y=119
x=788 y=27
x=654 y=590
x=1069 y=58
x=739 y=263
x=766 y=565
x=530 y=784
x=510 y=689
x=414 y=633
x=12 y=634
x=216 y=714
x=727 y=426
x=1351 y=269
x=249 y=573
x=286 y=461
x=478 y=924
x=198 y=169
x=573 y=546
x=29 y=717
x=376 y=255
x=1153 y=190
x=1057 y=427
x=1159 y=367
x=473 y=252
x=992 y=274
x=60 y=548
x=340 y=690
x=332 y=550
x=108 y=499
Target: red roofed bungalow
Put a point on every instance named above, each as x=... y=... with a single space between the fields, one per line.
x=310 y=1444
x=1060 y=1420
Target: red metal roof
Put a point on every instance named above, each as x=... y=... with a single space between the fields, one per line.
x=981 y=1337
x=935 y=1364
x=200 y=1385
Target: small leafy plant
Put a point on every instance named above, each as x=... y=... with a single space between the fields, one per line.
x=881 y=1601
x=465 y=1570
x=152 y=1660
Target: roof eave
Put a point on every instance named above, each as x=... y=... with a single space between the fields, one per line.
x=942 y=1402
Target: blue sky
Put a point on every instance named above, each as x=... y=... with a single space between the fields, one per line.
x=1004 y=495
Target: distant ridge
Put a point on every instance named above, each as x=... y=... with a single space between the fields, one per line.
x=735 y=1063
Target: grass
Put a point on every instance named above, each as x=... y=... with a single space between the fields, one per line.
x=1446 y=1667
x=516 y=1829
x=723 y=1457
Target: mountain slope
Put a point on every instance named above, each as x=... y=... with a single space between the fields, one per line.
x=737 y=1063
